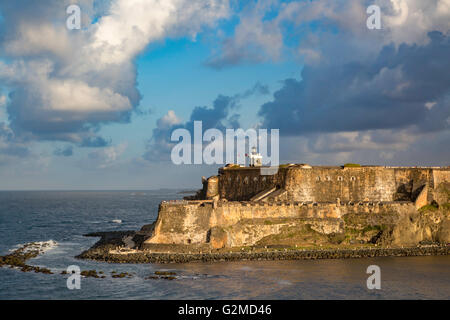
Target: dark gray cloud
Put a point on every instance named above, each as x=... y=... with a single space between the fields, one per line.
x=222 y=115
x=10 y=149
x=399 y=88
x=160 y=145
x=256 y=39
x=65 y=84
x=56 y=91
x=364 y=94
x=64 y=152
x=379 y=147
x=96 y=142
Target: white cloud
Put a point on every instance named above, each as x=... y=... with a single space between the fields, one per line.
x=403 y=21
x=36 y=39
x=380 y=147
x=77 y=96
x=67 y=83
x=409 y=21
x=106 y=157
x=131 y=25
x=168 y=120
x=255 y=38
x=258 y=39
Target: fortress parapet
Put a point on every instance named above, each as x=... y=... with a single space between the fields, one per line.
x=327 y=184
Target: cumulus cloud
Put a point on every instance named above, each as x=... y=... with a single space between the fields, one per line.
x=2 y=101
x=10 y=150
x=267 y=27
x=409 y=21
x=65 y=84
x=391 y=91
x=104 y=158
x=64 y=152
x=382 y=147
x=403 y=21
x=377 y=92
x=255 y=39
x=222 y=115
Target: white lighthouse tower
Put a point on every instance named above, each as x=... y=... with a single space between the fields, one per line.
x=255 y=159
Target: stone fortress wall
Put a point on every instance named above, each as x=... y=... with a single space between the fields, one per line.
x=327 y=184
x=196 y=222
x=232 y=208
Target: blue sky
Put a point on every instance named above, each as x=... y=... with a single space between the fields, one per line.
x=94 y=108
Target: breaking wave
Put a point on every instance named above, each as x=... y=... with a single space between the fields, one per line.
x=40 y=246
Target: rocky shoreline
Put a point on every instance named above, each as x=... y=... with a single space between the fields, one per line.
x=105 y=255
x=18 y=258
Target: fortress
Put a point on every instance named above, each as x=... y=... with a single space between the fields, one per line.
x=310 y=204
x=304 y=183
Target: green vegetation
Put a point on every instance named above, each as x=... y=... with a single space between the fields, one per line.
x=232 y=166
x=373 y=228
x=351 y=165
x=429 y=207
x=122 y=275
x=336 y=238
x=18 y=258
x=165 y=273
x=302 y=234
x=90 y=274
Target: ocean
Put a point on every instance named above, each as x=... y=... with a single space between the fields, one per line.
x=60 y=219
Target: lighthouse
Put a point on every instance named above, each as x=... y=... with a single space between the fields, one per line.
x=255 y=159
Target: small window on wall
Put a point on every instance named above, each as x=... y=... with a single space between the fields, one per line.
x=353 y=178
x=255 y=179
x=264 y=179
x=340 y=179
x=246 y=180
x=317 y=179
x=328 y=178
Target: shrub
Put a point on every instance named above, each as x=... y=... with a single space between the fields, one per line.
x=429 y=207
x=351 y=165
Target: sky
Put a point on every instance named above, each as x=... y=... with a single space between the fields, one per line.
x=94 y=108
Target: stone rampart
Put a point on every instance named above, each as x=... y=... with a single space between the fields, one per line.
x=326 y=184
x=191 y=222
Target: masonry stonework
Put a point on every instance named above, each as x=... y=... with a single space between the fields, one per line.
x=326 y=184
x=325 y=200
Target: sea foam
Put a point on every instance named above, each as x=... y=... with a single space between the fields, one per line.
x=41 y=246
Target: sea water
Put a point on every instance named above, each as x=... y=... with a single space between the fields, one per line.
x=58 y=220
